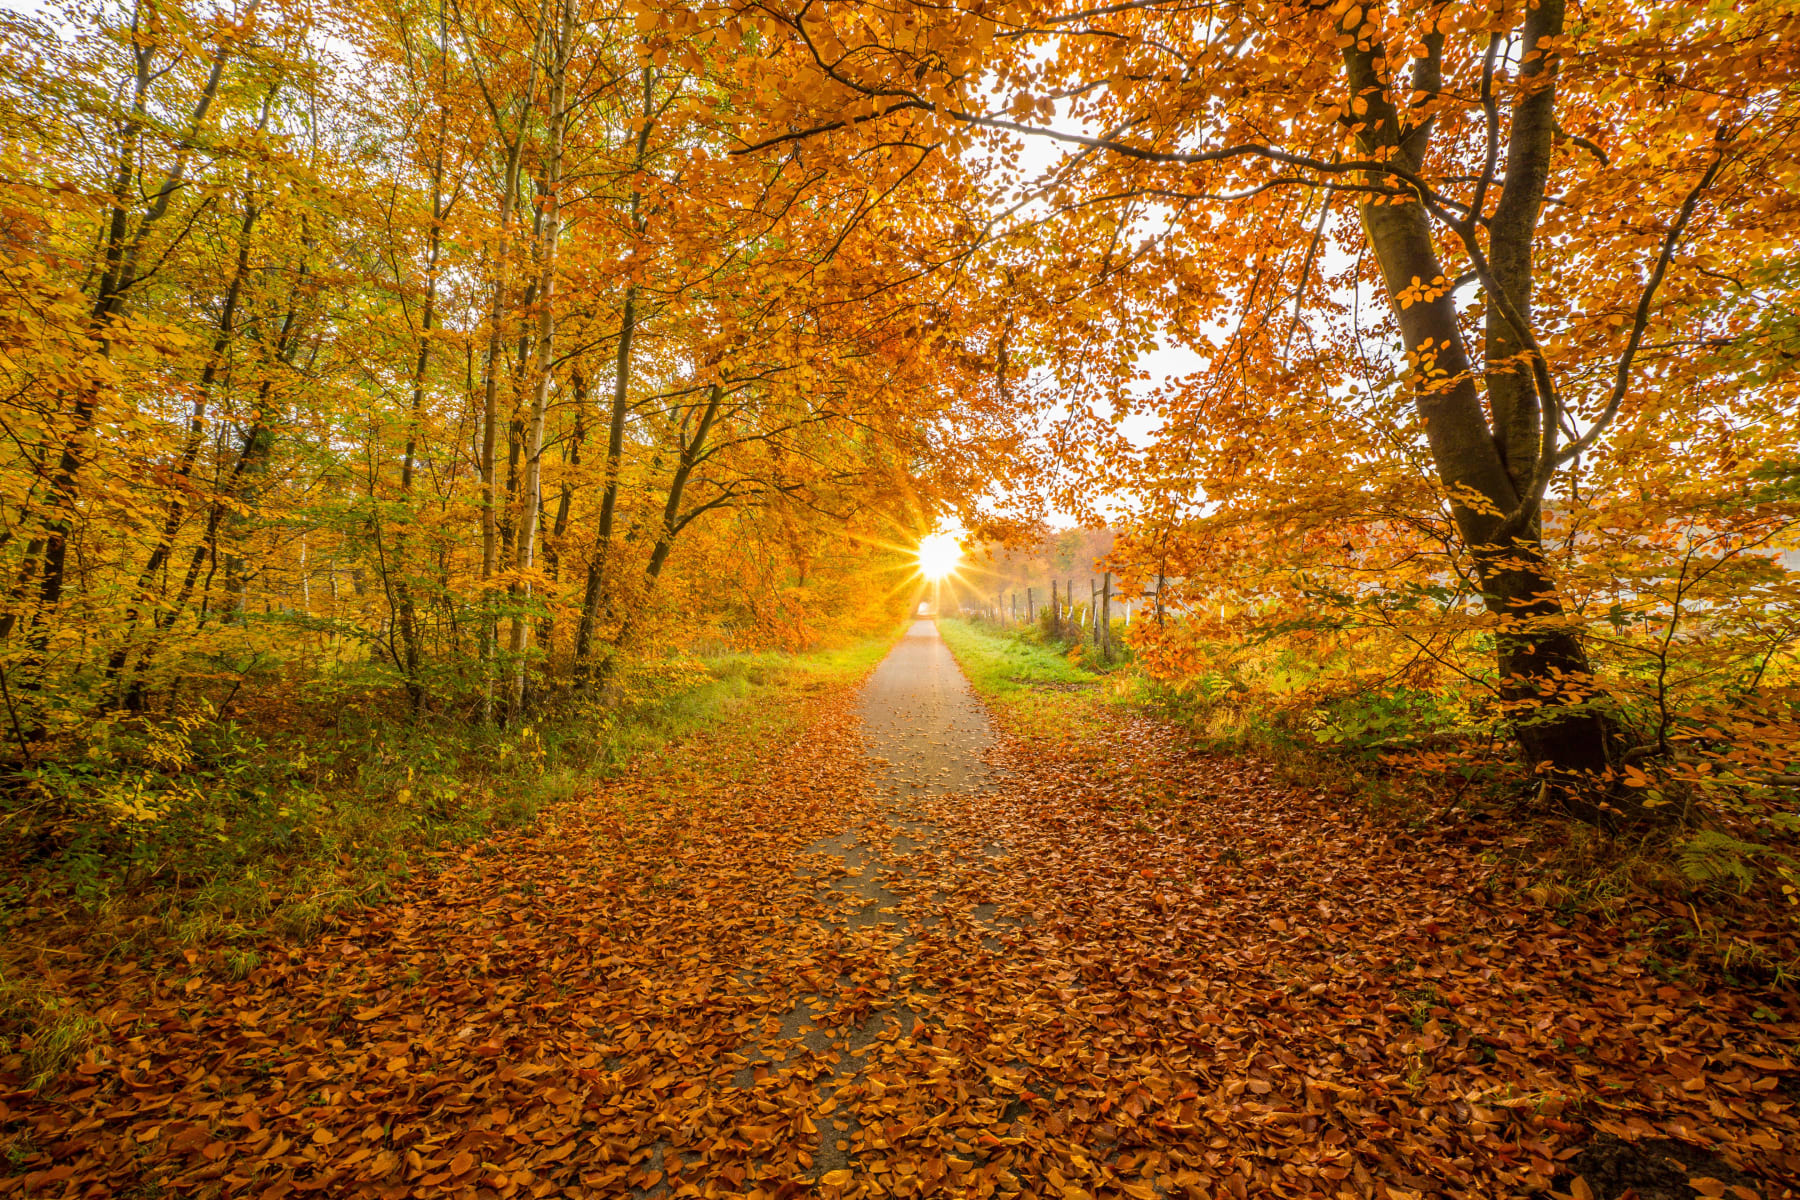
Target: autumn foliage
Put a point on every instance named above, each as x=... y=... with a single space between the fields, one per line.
x=448 y=355
x=404 y=399
x=474 y=354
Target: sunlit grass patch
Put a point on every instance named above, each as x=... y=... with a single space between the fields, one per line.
x=1035 y=687
x=1004 y=662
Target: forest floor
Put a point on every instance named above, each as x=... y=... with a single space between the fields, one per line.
x=906 y=952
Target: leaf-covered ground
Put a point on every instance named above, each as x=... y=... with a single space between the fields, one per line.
x=794 y=969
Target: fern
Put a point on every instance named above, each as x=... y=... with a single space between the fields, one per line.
x=1712 y=857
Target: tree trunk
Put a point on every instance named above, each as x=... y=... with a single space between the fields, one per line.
x=1545 y=676
x=673 y=522
x=592 y=594
x=593 y=601
x=406 y=616
x=119 y=274
x=565 y=499
x=177 y=510
x=259 y=445
x=1106 y=617
x=490 y=389
x=531 y=493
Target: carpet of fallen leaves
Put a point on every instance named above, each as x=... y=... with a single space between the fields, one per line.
x=1227 y=984
x=1176 y=978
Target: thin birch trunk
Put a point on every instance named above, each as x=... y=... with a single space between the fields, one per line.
x=593 y=600
x=405 y=609
x=532 y=491
x=490 y=393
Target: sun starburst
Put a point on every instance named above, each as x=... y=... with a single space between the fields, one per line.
x=939 y=554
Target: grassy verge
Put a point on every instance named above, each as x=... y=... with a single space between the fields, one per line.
x=1036 y=685
x=207 y=834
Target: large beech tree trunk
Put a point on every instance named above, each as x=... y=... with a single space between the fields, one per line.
x=1491 y=470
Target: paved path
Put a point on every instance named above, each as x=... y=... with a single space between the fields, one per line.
x=926 y=735
x=923 y=724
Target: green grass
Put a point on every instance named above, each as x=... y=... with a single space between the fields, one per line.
x=1002 y=664
x=1033 y=684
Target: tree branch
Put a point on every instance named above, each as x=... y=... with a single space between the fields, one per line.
x=1641 y=318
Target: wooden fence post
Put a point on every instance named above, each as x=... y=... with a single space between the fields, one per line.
x=1030 y=608
x=1106 y=615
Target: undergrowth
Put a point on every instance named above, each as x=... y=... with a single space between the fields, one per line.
x=200 y=832
x=1698 y=897
x=45 y=1031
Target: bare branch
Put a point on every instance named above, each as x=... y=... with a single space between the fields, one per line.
x=1641 y=318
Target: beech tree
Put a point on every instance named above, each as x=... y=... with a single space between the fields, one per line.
x=1545 y=194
